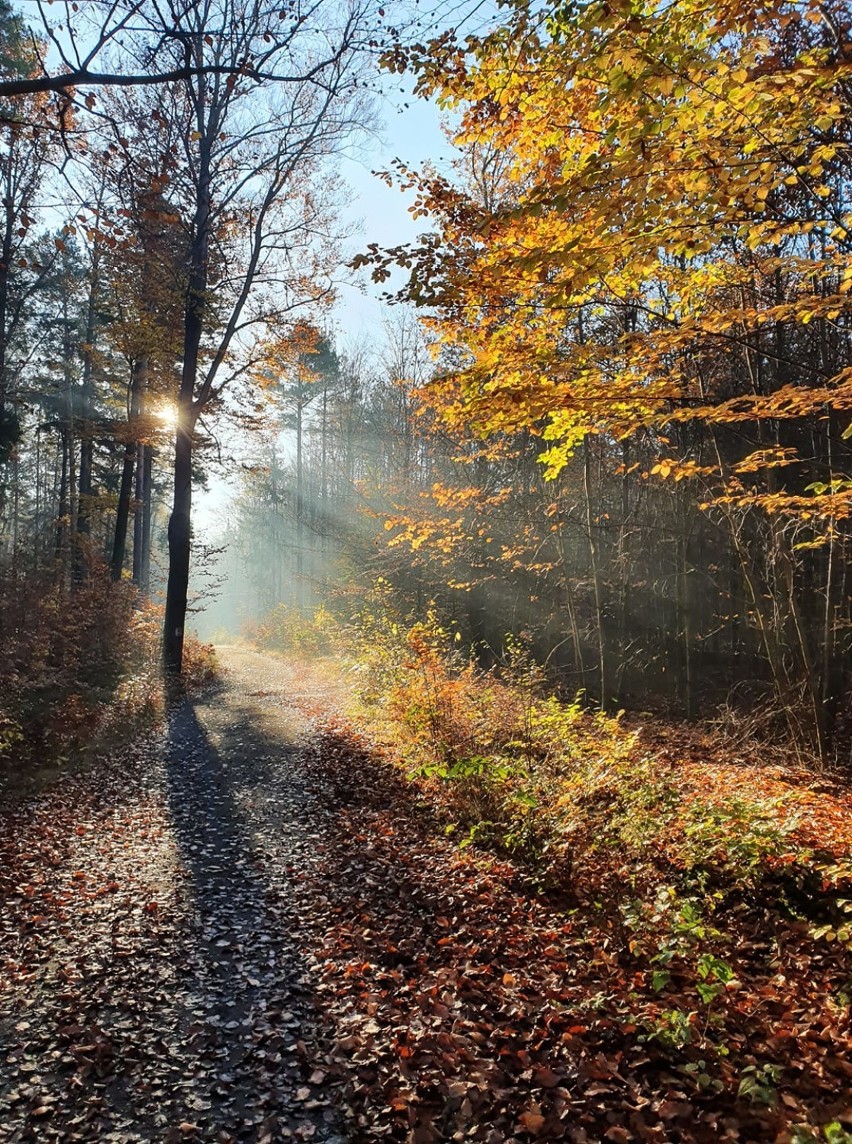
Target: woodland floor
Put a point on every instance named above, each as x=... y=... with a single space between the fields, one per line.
x=249 y=932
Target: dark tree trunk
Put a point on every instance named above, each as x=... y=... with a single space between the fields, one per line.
x=7 y=420
x=138 y=384
x=139 y=491
x=138 y=515
x=84 y=495
x=145 y=564
x=180 y=535
x=142 y=519
x=62 y=515
x=179 y=548
x=593 y=527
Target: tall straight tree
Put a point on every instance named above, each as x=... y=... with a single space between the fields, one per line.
x=268 y=95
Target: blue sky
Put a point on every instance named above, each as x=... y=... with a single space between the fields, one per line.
x=412 y=134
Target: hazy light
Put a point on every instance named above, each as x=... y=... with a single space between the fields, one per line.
x=167 y=415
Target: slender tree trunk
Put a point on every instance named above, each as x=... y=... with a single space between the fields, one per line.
x=683 y=607
x=300 y=536
x=180 y=538
x=122 y=515
x=799 y=623
x=16 y=505
x=592 y=525
x=623 y=568
x=138 y=522
x=147 y=516
x=827 y=680
x=73 y=501
x=142 y=518
x=62 y=515
x=84 y=505
x=180 y=521
x=38 y=537
x=140 y=396
x=324 y=457
x=84 y=501
x=138 y=384
x=5 y=267
x=325 y=515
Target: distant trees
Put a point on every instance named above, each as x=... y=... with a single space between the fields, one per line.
x=342 y=449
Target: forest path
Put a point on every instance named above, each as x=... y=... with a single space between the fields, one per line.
x=158 y=990
x=250 y=931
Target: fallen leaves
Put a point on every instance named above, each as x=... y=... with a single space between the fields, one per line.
x=271 y=942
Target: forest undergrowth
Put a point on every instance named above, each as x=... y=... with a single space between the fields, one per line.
x=80 y=671
x=720 y=870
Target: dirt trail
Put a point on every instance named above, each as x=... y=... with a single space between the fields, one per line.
x=153 y=988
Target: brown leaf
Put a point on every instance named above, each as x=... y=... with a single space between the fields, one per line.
x=547 y=1078
x=532 y=1121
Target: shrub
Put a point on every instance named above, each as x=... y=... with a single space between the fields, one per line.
x=79 y=669
x=288 y=629
x=513 y=765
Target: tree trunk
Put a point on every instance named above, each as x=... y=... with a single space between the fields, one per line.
x=142 y=518
x=145 y=564
x=140 y=396
x=684 y=607
x=179 y=552
x=138 y=385
x=122 y=516
x=138 y=522
x=592 y=526
x=84 y=496
x=5 y=267
x=180 y=535
x=62 y=515
x=300 y=534
x=623 y=573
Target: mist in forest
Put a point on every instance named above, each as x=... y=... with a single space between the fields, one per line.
x=628 y=593
x=338 y=448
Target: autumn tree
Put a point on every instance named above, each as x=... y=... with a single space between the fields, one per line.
x=272 y=95
x=661 y=292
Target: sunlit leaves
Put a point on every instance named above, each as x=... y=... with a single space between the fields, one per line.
x=662 y=165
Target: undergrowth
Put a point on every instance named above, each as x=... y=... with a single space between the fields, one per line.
x=552 y=782
x=79 y=671
x=715 y=883
x=593 y=813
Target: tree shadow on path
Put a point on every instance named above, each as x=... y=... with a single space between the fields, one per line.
x=248 y=1025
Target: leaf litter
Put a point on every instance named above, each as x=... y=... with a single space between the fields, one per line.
x=252 y=931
